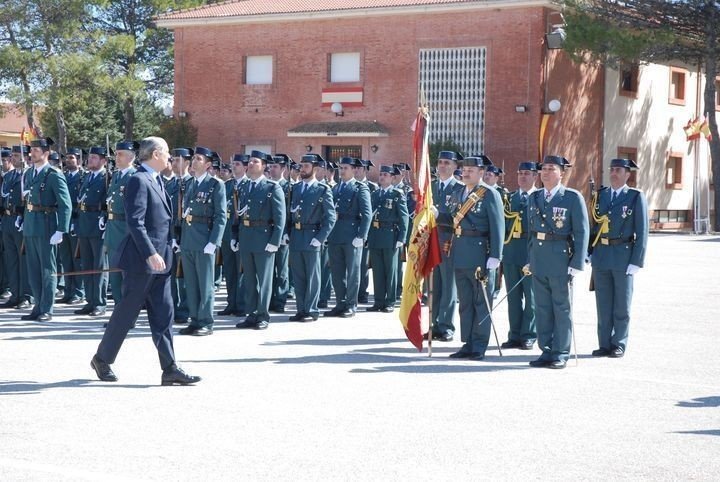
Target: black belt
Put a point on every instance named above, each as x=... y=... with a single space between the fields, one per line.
x=616 y=241
x=191 y=218
x=90 y=209
x=116 y=217
x=384 y=224
x=445 y=229
x=31 y=208
x=256 y=224
x=550 y=237
x=473 y=233
x=348 y=217
x=305 y=227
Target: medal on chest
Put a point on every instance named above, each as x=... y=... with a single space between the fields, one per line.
x=559 y=217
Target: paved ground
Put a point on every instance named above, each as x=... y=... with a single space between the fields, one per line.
x=352 y=399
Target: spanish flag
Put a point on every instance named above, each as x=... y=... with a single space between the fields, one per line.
x=424 y=247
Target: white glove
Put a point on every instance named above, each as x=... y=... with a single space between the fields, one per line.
x=492 y=263
x=175 y=246
x=358 y=242
x=56 y=238
x=234 y=245
x=101 y=223
x=572 y=271
x=285 y=240
x=632 y=269
x=399 y=244
x=19 y=223
x=434 y=211
x=271 y=248
x=315 y=243
x=25 y=193
x=72 y=230
x=209 y=248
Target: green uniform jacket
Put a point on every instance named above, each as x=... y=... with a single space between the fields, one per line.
x=390 y=219
x=312 y=215
x=48 y=190
x=91 y=204
x=116 y=225
x=261 y=215
x=353 y=209
x=11 y=200
x=516 y=250
x=206 y=204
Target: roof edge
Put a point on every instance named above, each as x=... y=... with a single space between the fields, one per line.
x=350 y=13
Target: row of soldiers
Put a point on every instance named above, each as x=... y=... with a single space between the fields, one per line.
x=271 y=236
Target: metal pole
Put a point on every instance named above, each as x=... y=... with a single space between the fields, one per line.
x=483 y=282
x=571 y=289
x=429 y=282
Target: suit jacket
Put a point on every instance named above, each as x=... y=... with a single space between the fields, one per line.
x=353 y=210
x=149 y=222
x=628 y=217
x=263 y=215
x=312 y=215
x=566 y=216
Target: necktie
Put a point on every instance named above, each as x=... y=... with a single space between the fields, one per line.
x=340 y=189
x=523 y=198
x=302 y=189
x=252 y=186
x=160 y=183
x=612 y=199
x=548 y=195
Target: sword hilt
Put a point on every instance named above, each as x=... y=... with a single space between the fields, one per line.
x=481 y=275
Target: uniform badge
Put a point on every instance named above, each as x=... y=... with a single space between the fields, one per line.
x=388 y=203
x=559 y=215
x=626 y=212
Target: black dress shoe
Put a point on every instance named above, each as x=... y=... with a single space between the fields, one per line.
x=175 y=376
x=617 y=352
x=202 y=331
x=511 y=344
x=308 y=318
x=347 y=313
x=261 y=325
x=460 y=354
x=601 y=352
x=30 y=317
x=334 y=312
x=226 y=312
x=540 y=363
x=387 y=309
x=102 y=370
x=60 y=293
x=557 y=364
x=9 y=304
x=362 y=299
x=527 y=345
x=45 y=317
x=373 y=308
x=248 y=323
x=297 y=316
x=322 y=304
x=23 y=305
x=188 y=330
x=477 y=356
x=97 y=311
x=447 y=336
x=85 y=310
x=74 y=301
x=5 y=295
x=180 y=321
x=277 y=309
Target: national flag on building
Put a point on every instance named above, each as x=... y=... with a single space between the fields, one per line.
x=424 y=248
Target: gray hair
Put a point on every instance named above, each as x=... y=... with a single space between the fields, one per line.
x=148 y=146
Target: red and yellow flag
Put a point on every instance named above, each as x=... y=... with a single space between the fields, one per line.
x=705 y=129
x=424 y=247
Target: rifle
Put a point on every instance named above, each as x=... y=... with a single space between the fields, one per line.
x=178 y=227
x=593 y=207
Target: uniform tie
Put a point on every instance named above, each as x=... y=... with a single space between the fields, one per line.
x=252 y=186
x=548 y=195
x=340 y=189
x=614 y=196
x=302 y=189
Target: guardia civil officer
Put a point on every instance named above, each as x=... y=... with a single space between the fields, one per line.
x=74 y=289
x=559 y=232
x=231 y=256
x=475 y=250
x=362 y=167
x=13 y=204
x=261 y=214
x=399 y=182
x=386 y=237
x=311 y=218
x=618 y=253
x=204 y=219
x=92 y=214
x=281 y=269
x=521 y=300
x=345 y=243
x=176 y=187
x=47 y=217
x=115 y=226
x=444 y=303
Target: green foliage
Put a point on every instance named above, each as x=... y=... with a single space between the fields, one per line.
x=179 y=132
x=442 y=145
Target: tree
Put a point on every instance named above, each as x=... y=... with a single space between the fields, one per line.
x=443 y=145
x=179 y=132
x=610 y=31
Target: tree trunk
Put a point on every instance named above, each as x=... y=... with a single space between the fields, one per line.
x=61 y=141
x=710 y=74
x=129 y=117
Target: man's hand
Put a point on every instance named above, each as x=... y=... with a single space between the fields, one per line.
x=434 y=211
x=285 y=240
x=209 y=248
x=56 y=238
x=271 y=248
x=101 y=223
x=156 y=262
x=358 y=242
x=632 y=269
x=573 y=272
x=19 y=223
x=399 y=244
x=234 y=245
x=315 y=243
x=175 y=246
x=492 y=263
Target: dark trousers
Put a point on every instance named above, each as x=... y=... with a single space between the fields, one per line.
x=325 y=275
x=305 y=266
x=177 y=290
x=384 y=267
x=92 y=257
x=613 y=297
x=15 y=266
x=257 y=278
x=345 y=268
x=41 y=257
x=364 y=274
x=444 y=300
x=232 y=262
x=153 y=291
x=552 y=316
x=521 y=304
x=281 y=278
x=66 y=253
x=474 y=323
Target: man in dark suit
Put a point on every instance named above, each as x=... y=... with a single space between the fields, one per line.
x=145 y=256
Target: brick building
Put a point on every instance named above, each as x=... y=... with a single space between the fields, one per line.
x=275 y=75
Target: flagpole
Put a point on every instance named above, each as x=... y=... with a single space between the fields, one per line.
x=429 y=281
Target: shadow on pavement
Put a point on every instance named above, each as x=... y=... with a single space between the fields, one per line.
x=449 y=368
x=28 y=387
x=336 y=342
x=700 y=402
x=700 y=432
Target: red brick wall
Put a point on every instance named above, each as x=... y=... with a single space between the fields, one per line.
x=209 y=81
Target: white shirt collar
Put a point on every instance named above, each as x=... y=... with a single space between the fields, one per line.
x=261 y=178
x=310 y=183
x=125 y=171
x=554 y=190
x=619 y=190
x=38 y=169
x=201 y=178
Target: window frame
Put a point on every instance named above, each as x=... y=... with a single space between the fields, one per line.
x=635 y=80
x=672 y=99
x=624 y=152
x=361 y=58
x=246 y=70
x=677 y=173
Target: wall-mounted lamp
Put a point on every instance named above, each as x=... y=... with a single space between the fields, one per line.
x=337 y=108
x=374 y=148
x=521 y=108
x=553 y=106
x=308 y=148
x=555 y=39
x=182 y=113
